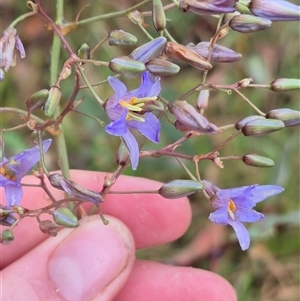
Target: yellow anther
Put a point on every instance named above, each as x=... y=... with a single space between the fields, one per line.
x=8 y=173
x=129 y=106
x=231 y=205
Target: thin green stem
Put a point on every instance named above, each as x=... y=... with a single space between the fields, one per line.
x=21 y=18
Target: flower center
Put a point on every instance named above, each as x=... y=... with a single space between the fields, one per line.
x=134 y=107
x=231 y=208
x=7 y=172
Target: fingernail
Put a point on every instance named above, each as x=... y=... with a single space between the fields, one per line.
x=90 y=258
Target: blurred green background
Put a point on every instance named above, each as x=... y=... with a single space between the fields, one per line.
x=269 y=270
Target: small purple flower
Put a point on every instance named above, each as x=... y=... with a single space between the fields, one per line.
x=233 y=206
x=9 y=43
x=124 y=109
x=12 y=170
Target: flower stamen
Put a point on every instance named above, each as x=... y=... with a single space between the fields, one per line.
x=231 y=208
x=6 y=172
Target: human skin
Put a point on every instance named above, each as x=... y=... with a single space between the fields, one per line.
x=97 y=262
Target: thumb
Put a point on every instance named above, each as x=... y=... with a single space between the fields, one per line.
x=91 y=261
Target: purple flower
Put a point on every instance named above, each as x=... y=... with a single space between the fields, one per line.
x=124 y=109
x=234 y=206
x=9 y=43
x=12 y=170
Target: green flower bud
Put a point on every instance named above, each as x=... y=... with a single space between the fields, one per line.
x=84 y=52
x=6 y=237
x=240 y=124
x=248 y=23
x=37 y=100
x=52 y=100
x=260 y=127
x=122 y=154
x=285 y=84
x=127 y=66
x=161 y=67
x=158 y=16
x=257 y=161
x=179 y=188
x=121 y=38
x=288 y=116
x=48 y=227
x=64 y=217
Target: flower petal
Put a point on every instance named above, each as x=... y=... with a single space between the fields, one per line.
x=150 y=128
x=241 y=233
x=119 y=88
x=133 y=149
x=13 y=194
x=259 y=193
x=220 y=216
x=117 y=128
x=247 y=215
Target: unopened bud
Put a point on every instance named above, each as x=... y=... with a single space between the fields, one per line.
x=260 y=127
x=48 y=227
x=185 y=54
x=158 y=16
x=7 y=218
x=241 y=123
x=52 y=100
x=257 y=161
x=121 y=38
x=275 y=10
x=64 y=217
x=288 y=116
x=202 y=100
x=161 y=67
x=248 y=23
x=74 y=189
x=122 y=154
x=84 y=52
x=179 y=188
x=219 y=53
x=188 y=119
x=149 y=50
x=6 y=237
x=127 y=66
x=285 y=84
x=207 y=7
x=37 y=100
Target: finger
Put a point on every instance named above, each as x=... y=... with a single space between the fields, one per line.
x=152 y=219
x=92 y=260
x=151 y=281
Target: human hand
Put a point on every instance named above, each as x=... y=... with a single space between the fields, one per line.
x=97 y=262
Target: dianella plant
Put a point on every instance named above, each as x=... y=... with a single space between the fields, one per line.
x=171 y=90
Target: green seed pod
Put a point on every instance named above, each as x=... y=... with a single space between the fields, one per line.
x=37 y=100
x=121 y=38
x=122 y=154
x=84 y=52
x=260 y=127
x=64 y=217
x=240 y=124
x=285 y=84
x=248 y=23
x=6 y=237
x=257 y=161
x=161 y=67
x=52 y=100
x=127 y=66
x=158 y=16
x=288 y=116
x=179 y=188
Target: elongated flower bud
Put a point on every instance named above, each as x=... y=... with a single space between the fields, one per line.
x=179 y=188
x=158 y=16
x=188 y=119
x=260 y=127
x=64 y=217
x=161 y=67
x=185 y=54
x=248 y=23
x=241 y=123
x=52 y=100
x=127 y=66
x=121 y=38
x=122 y=154
x=285 y=84
x=202 y=100
x=149 y=50
x=288 y=116
x=219 y=53
x=257 y=161
x=37 y=100
x=275 y=10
